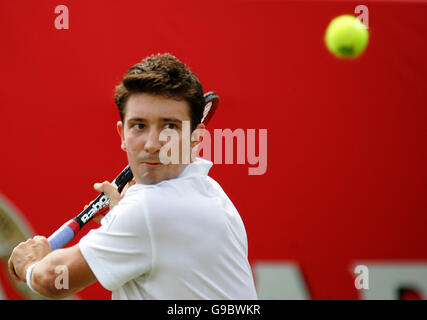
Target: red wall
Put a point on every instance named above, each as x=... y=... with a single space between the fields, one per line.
x=346 y=176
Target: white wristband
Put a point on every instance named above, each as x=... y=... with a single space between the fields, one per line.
x=28 y=277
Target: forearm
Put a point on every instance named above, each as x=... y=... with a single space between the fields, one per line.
x=52 y=276
x=44 y=279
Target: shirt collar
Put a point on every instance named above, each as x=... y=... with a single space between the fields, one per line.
x=199 y=166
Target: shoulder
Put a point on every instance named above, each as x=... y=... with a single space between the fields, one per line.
x=155 y=203
x=128 y=214
x=192 y=197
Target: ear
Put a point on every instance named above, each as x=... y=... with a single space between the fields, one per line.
x=121 y=133
x=200 y=126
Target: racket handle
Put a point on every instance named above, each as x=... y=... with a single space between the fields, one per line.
x=63 y=235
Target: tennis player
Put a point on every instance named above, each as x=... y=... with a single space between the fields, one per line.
x=174 y=234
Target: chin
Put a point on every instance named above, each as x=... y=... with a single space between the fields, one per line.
x=153 y=176
x=150 y=178
x=147 y=180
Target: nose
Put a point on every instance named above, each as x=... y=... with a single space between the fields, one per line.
x=152 y=144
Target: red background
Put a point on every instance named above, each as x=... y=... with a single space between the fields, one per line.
x=346 y=176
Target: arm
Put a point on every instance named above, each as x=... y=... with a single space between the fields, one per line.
x=58 y=274
x=62 y=273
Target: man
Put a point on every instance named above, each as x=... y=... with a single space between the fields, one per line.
x=175 y=234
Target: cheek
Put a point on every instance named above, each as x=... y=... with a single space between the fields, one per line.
x=133 y=143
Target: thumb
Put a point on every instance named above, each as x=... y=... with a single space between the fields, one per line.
x=109 y=190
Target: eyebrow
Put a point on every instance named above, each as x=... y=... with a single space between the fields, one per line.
x=162 y=119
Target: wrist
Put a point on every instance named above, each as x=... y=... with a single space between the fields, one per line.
x=28 y=276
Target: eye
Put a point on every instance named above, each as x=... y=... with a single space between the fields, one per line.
x=138 y=126
x=172 y=126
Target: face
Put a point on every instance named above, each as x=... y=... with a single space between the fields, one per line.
x=146 y=116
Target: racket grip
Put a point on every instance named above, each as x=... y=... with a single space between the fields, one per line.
x=63 y=235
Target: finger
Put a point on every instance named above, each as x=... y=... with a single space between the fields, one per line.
x=88 y=204
x=127 y=186
x=98 y=218
x=101 y=214
x=99 y=186
x=109 y=190
x=103 y=187
x=40 y=238
x=12 y=269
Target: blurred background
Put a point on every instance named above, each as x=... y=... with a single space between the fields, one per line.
x=340 y=212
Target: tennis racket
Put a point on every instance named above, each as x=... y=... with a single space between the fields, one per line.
x=101 y=204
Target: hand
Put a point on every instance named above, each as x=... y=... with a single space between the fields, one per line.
x=112 y=194
x=25 y=254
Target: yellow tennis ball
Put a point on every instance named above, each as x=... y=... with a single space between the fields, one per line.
x=346 y=36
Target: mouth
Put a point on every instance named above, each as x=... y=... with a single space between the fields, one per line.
x=152 y=164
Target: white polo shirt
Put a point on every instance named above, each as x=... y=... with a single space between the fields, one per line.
x=178 y=239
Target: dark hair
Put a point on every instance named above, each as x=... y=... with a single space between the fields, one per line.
x=165 y=75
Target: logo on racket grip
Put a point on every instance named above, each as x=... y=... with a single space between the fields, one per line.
x=101 y=204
